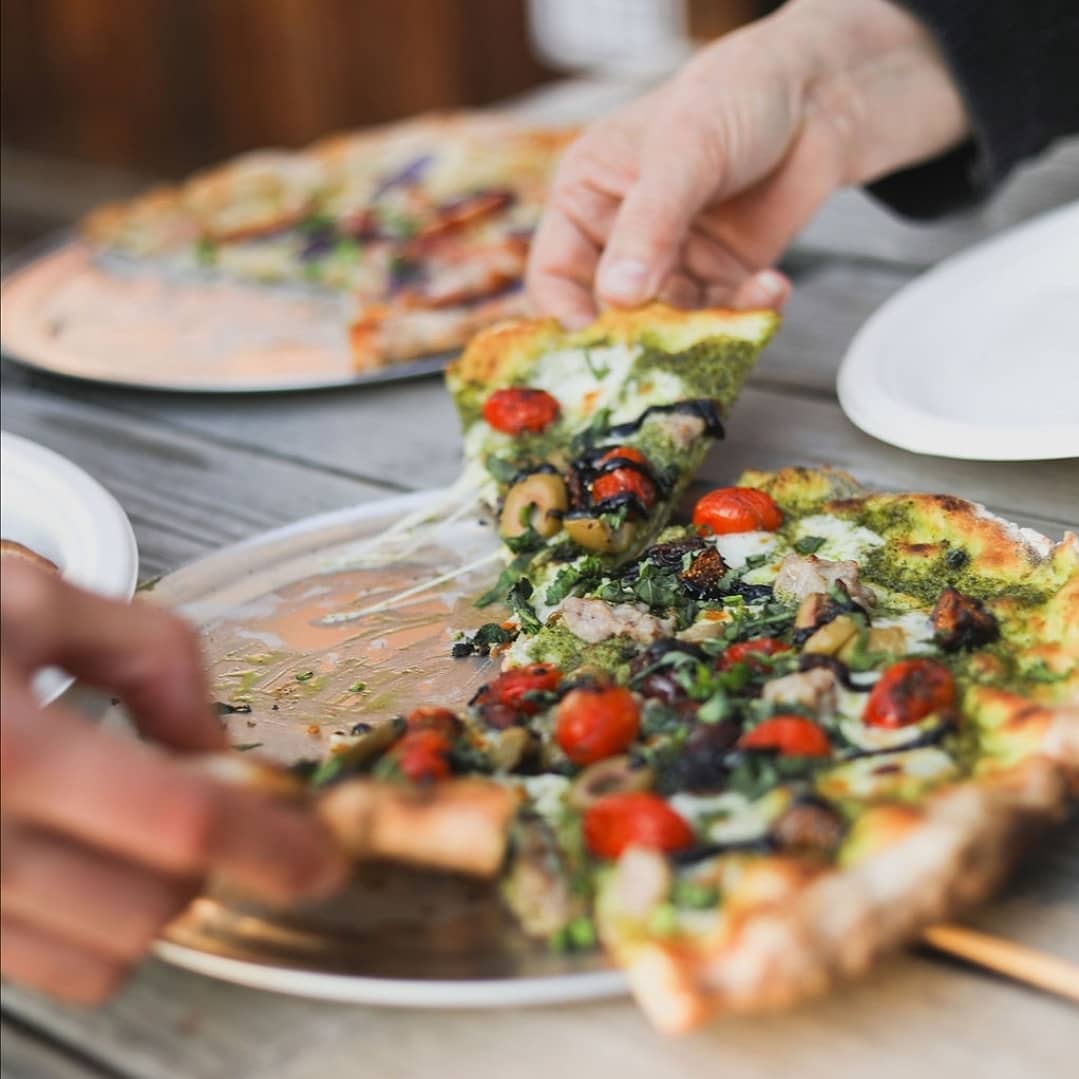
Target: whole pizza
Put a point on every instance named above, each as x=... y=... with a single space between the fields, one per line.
x=745 y=751
x=421 y=227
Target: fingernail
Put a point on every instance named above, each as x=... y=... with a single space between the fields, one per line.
x=772 y=284
x=625 y=281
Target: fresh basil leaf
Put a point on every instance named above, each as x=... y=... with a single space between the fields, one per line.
x=809 y=544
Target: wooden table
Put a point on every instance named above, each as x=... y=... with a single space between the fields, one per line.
x=195 y=472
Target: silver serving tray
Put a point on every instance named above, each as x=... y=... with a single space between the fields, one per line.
x=396 y=937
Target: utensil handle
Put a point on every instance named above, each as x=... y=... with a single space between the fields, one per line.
x=1005 y=957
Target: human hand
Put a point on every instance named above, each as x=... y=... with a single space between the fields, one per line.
x=105 y=838
x=692 y=193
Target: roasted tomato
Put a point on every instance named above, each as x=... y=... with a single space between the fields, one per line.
x=737 y=509
x=519 y=409
x=792 y=736
x=962 y=621
x=510 y=689
x=422 y=755
x=634 y=819
x=626 y=480
x=748 y=652
x=596 y=723
x=434 y=719
x=909 y=691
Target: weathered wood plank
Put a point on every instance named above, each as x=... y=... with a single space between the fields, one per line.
x=406 y=435
x=184 y=495
x=911 y=1014
x=26 y=1056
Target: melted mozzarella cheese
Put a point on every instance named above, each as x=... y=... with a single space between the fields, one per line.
x=737 y=547
x=582 y=383
x=842 y=539
x=887 y=774
x=916 y=626
x=547 y=794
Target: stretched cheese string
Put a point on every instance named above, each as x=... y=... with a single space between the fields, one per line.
x=424 y=586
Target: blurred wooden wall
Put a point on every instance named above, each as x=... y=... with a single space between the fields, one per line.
x=162 y=86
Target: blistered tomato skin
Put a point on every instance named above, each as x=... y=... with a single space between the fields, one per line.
x=508 y=693
x=593 y=724
x=423 y=756
x=634 y=819
x=518 y=409
x=434 y=719
x=907 y=692
x=790 y=735
x=627 y=480
x=737 y=509
x=749 y=653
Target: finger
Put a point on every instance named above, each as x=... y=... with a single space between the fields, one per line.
x=713 y=263
x=678 y=175
x=558 y=277
x=37 y=958
x=104 y=904
x=132 y=800
x=147 y=656
x=681 y=290
x=768 y=288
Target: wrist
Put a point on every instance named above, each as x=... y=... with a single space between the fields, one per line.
x=873 y=84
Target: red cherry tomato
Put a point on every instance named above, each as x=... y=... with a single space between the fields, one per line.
x=737 y=509
x=744 y=651
x=634 y=819
x=596 y=723
x=510 y=687
x=434 y=719
x=519 y=409
x=423 y=755
x=793 y=736
x=909 y=691
x=624 y=480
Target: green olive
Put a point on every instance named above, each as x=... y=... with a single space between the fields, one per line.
x=514 y=745
x=538 y=500
x=616 y=775
x=594 y=534
x=831 y=637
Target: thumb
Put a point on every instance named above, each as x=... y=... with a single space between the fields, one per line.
x=674 y=183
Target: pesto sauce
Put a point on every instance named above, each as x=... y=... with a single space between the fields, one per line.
x=556 y=644
x=715 y=368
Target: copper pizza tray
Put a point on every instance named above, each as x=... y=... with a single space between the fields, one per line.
x=71 y=313
x=395 y=937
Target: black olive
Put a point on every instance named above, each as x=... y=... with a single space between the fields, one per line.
x=670 y=555
x=703 y=763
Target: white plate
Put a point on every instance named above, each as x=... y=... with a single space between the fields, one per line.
x=979 y=357
x=53 y=507
x=396 y=937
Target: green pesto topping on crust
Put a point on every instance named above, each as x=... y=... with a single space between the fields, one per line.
x=715 y=368
x=556 y=644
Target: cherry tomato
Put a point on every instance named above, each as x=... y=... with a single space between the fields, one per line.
x=434 y=719
x=634 y=819
x=624 y=480
x=744 y=651
x=737 y=509
x=519 y=409
x=793 y=736
x=510 y=687
x=423 y=755
x=909 y=691
x=593 y=724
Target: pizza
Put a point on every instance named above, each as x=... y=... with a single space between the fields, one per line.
x=421 y=227
x=746 y=752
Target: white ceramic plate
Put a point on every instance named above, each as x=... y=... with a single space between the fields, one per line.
x=395 y=937
x=979 y=357
x=54 y=508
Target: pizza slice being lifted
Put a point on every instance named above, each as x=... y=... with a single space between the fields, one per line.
x=584 y=442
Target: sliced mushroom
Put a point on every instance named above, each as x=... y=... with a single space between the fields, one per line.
x=809 y=826
x=594 y=534
x=616 y=775
x=832 y=636
x=539 y=501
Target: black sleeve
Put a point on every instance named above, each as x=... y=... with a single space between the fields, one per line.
x=1016 y=64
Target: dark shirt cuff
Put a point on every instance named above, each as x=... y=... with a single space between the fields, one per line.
x=1016 y=65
